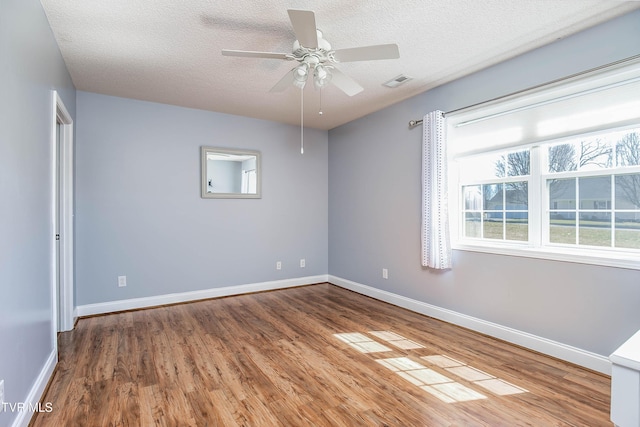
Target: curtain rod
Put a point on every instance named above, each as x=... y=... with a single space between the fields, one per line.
x=414 y=123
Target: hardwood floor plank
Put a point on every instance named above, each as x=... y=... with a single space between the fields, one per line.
x=150 y=411
x=316 y=355
x=124 y=405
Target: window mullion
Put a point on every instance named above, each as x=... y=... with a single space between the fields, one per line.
x=578 y=211
x=612 y=210
x=538 y=202
x=504 y=211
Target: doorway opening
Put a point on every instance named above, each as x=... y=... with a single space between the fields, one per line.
x=62 y=219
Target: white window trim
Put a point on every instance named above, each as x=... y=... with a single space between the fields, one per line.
x=557 y=253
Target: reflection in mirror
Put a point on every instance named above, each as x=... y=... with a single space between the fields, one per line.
x=230 y=173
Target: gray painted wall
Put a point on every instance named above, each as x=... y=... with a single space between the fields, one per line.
x=139 y=211
x=30 y=67
x=375 y=210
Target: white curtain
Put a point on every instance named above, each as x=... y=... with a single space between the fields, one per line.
x=436 y=243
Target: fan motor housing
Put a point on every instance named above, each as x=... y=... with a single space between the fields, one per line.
x=321 y=52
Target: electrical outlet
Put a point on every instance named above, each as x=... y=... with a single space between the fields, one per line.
x=2 y=396
x=279 y=265
x=122 y=281
x=303 y=263
x=385 y=273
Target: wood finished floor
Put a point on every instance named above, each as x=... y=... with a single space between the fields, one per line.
x=275 y=359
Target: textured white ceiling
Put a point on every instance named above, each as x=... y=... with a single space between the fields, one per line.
x=169 y=51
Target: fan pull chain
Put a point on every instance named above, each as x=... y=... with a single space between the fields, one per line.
x=302 y=120
x=320 y=112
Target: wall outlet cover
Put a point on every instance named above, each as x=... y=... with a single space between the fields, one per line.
x=122 y=281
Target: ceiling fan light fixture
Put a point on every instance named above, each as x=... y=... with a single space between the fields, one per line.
x=321 y=76
x=300 y=74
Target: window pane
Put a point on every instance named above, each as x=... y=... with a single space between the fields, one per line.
x=513 y=164
x=628 y=230
x=493 y=197
x=485 y=166
x=517 y=195
x=562 y=193
x=494 y=165
x=595 y=153
x=562 y=158
x=595 y=192
x=595 y=228
x=628 y=148
x=606 y=150
x=628 y=191
x=517 y=226
x=562 y=227
x=472 y=197
x=493 y=225
x=472 y=225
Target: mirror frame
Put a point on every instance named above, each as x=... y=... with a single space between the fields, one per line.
x=203 y=173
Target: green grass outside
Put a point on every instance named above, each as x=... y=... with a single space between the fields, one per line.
x=628 y=237
x=590 y=223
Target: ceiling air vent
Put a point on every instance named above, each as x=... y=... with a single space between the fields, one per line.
x=397 y=81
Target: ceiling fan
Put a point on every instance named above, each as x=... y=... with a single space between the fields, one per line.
x=315 y=57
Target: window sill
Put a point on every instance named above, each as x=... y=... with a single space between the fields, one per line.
x=626 y=260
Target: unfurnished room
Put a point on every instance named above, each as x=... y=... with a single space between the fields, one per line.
x=305 y=213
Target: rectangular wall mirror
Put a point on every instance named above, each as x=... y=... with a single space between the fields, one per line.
x=228 y=173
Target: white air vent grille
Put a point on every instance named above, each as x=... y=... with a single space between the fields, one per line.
x=397 y=81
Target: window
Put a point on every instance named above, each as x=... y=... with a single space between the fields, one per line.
x=495 y=194
x=553 y=172
x=593 y=188
x=583 y=193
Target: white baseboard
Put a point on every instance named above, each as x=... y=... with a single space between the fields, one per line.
x=136 y=303
x=33 y=398
x=555 y=349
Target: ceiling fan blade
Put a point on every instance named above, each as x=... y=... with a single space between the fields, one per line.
x=284 y=83
x=367 y=53
x=345 y=83
x=252 y=54
x=304 y=25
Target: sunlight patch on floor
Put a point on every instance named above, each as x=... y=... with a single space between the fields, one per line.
x=476 y=376
x=440 y=386
x=396 y=340
x=361 y=342
x=442 y=361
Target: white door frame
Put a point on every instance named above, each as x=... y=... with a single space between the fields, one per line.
x=64 y=267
